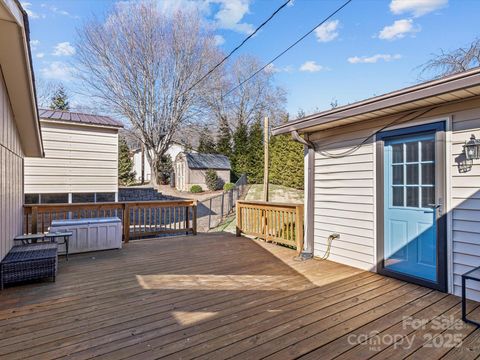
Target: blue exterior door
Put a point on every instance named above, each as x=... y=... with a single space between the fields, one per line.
x=410 y=215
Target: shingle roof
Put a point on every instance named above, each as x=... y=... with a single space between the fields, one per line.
x=207 y=161
x=82 y=118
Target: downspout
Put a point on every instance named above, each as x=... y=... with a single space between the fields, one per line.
x=309 y=200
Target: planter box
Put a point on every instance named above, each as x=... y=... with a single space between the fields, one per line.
x=90 y=234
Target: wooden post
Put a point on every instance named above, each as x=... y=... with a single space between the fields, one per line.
x=126 y=223
x=34 y=219
x=194 y=218
x=299 y=228
x=187 y=221
x=239 y=219
x=265 y=164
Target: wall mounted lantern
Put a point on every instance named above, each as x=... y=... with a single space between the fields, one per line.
x=471 y=149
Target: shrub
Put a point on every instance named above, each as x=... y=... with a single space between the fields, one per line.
x=211 y=179
x=228 y=186
x=196 y=189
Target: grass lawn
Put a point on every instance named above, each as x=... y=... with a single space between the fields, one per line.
x=278 y=193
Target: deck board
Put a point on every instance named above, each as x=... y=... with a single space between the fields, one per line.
x=215 y=296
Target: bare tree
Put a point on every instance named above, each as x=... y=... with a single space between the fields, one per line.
x=45 y=91
x=143 y=64
x=452 y=62
x=248 y=102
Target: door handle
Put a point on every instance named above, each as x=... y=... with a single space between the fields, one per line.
x=434 y=206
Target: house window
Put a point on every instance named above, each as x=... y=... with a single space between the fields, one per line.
x=83 y=197
x=53 y=198
x=105 y=197
x=32 y=198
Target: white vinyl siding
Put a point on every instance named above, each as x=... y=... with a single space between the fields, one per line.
x=345 y=195
x=465 y=203
x=344 y=201
x=11 y=175
x=78 y=159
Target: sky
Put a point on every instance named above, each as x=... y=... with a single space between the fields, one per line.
x=369 y=48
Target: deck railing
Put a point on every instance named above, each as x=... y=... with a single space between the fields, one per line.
x=139 y=219
x=276 y=222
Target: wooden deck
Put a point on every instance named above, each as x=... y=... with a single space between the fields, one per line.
x=215 y=296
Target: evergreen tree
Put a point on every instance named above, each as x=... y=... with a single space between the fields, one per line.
x=286 y=162
x=126 y=176
x=60 y=99
x=206 y=142
x=239 y=157
x=255 y=153
x=164 y=169
x=224 y=140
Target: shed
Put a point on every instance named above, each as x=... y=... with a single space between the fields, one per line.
x=190 y=169
x=81 y=159
x=390 y=178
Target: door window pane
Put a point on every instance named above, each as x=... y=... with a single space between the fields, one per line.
x=397 y=153
x=412 y=151
x=398 y=174
x=428 y=196
x=412 y=174
x=412 y=196
x=397 y=196
x=428 y=150
x=428 y=174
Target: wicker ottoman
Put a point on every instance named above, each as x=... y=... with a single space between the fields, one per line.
x=29 y=262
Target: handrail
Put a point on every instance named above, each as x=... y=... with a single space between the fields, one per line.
x=277 y=222
x=139 y=218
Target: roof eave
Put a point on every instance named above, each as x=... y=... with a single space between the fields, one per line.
x=419 y=92
x=16 y=64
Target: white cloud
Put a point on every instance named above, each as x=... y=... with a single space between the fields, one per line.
x=64 y=49
x=398 y=30
x=272 y=68
x=55 y=10
x=231 y=14
x=311 y=66
x=328 y=31
x=219 y=40
x=40 y=55
x=373 y=59
x=31 y=14
x=416 y=7
x=57 y=70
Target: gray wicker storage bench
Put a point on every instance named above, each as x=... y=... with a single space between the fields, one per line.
x=29 y=262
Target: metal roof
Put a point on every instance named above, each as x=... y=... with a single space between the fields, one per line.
x=432 y=93
x=76 y=117
x=207 y=161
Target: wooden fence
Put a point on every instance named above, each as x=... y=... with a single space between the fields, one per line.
x=139 y=219
x=276 y=222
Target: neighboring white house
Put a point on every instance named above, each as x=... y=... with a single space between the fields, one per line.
x=174 y=149
x=19 y=125
x=391 y=177
x=81 y=159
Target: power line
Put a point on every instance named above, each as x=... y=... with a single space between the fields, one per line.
x=240 y=45
x=288 y=48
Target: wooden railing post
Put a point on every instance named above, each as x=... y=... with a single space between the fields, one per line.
x=194 y=218
x=34 y=219
x=238 y=210
x=299 y=228
x=126 y=223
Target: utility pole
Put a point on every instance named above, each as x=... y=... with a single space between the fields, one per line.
x=265 y=165
x=142 y=175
